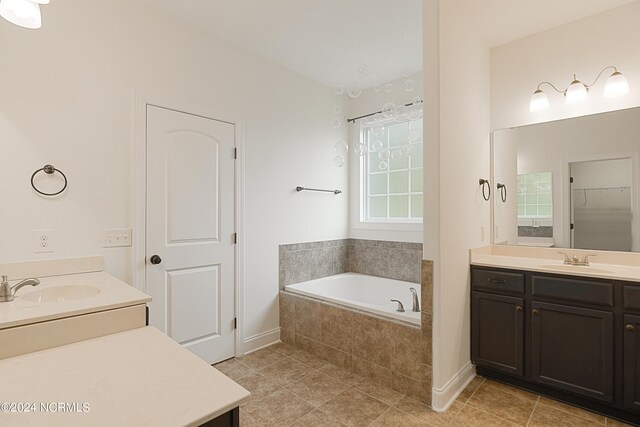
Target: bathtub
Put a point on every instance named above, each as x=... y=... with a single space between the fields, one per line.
x=361 y=292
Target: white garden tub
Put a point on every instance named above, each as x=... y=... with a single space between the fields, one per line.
x=366 y=293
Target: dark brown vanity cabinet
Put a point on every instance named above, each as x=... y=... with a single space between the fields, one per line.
x=573 y=338
x=572 y=349
x=498 y=332
x=632 y=362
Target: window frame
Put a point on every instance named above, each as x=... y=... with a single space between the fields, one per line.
x=360 y=179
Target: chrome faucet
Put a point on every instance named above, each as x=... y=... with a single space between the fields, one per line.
x=416 y=301
x=574 y=260
x=7 y=293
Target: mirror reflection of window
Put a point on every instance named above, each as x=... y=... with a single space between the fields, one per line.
x=535 y=205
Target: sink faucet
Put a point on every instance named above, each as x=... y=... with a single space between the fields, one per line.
x=416 y=301
x=574 y=260
x=7 y=293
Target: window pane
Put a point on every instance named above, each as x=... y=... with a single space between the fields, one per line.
x=378 y=183
x=399 y=163
x=416 y=156
x=544 y=210
x=416 y=181
x=378 y=207
x=398 y=134
x=374 y=161
x=399 y=182
x=398 y=206
x=416 y=206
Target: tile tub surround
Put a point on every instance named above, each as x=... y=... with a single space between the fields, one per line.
x=365 y=344
x=383 y=351
x=300 y=262
x=527 y=231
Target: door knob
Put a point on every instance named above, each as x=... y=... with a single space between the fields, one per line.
x=155 y=259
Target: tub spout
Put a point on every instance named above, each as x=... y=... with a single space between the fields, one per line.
x=416 y=301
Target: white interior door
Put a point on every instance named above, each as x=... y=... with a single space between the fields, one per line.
x=190 y=260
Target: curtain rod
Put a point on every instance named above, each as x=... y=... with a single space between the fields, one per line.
x=353 y=120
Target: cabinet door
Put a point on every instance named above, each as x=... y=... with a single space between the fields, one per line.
x=497 y=330
x=632 y=362
x=572 y=349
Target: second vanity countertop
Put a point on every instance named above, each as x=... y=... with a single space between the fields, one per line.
x=113 y=293
x=622 y=266
x=134 y=378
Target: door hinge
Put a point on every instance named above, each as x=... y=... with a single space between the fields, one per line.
x=570 y=180
x=235 y=153
x=234 y=238
x=571 y=226
x=235 y=323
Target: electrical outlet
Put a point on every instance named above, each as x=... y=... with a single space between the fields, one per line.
x=43 y=241
x=116 y=238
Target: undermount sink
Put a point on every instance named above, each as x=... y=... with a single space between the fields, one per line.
x=61 y=293
x=577 y=268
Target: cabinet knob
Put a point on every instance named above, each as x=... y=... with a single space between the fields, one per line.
x=536 y=311
x=518 y=308
x=630 y=328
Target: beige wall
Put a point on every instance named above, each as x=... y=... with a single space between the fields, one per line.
x=67 y=100
x=463 y=151
x=583 y=47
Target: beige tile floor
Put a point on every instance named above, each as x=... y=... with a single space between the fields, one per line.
x=290 y=387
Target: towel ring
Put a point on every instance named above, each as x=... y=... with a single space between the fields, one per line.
x=49 y=170
x=503 y=192
x=485 y=186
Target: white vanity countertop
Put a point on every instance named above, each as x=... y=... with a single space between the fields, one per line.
x=114 y=293
x=124 y=380
x=605 y=264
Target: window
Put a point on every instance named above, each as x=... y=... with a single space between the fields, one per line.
x=391 y=172
x=535 y=196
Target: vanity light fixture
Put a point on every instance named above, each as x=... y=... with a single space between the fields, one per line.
x=25 y=13
x=617 y=85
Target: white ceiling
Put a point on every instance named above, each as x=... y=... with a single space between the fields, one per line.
x=327 y=40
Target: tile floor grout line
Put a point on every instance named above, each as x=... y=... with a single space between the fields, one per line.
x=379 y=416
x=532 y=411
x=496 y=416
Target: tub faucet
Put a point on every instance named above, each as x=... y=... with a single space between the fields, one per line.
x=7 y=293
x=416 y=301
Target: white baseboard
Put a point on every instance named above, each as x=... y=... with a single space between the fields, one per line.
x=265 y=339
x=443 y=398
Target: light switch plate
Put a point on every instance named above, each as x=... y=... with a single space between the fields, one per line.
x=116 y=238
x=43 y=241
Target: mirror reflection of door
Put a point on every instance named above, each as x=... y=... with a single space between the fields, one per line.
x=601 y=204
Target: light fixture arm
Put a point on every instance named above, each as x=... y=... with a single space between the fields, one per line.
x=554 y=88
x=615 y=70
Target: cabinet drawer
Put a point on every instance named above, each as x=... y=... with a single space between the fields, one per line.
x=500 y=281
x=585 y=291
x=631 y=297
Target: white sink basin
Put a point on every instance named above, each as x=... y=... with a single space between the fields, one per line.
x=576 y=268
x=60 y=293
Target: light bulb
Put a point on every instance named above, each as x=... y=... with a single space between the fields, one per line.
x=576 y=92
x=40 y=1
x=24 y=13
x=539 y=101
x=617 y=85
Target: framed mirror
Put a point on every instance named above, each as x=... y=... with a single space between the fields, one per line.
x=570 y=183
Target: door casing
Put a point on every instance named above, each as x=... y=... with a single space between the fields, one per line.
x=138 y=194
